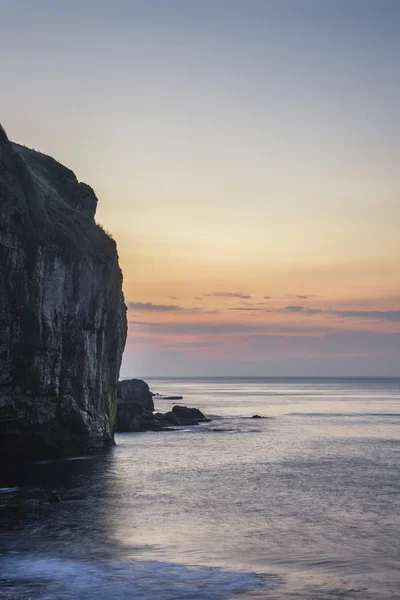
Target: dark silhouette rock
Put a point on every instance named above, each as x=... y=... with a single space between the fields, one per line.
x=136 y=391
x=171 y=418
x=150 y=424
x=62 y=311
x=257 y=417
x=172 y=397
x=181 y=416
x=183 y=412
x=54 y=497
x=134 y=406
x=3 y=136
x=220 y=430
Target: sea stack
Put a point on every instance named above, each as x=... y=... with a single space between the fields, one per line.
x=134 y=406
x=62 y=312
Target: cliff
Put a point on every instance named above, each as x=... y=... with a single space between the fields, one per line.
x=62 y=311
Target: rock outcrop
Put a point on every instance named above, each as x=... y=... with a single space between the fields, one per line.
x=185 y=413
x=180 y=416
x=62 y=312
x=135 y=410
x=134 y=405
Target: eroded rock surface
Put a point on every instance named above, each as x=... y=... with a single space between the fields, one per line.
x=62 y=311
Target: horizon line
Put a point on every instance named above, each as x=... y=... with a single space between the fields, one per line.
x=262 y=377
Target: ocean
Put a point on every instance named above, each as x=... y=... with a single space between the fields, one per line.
x=303 y=504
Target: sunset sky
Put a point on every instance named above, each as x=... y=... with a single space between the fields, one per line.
x=245 y=154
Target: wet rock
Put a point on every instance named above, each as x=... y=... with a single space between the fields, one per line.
x=167 y=419
x=257 y=417
x=150 y=424
x=54 y=497
x=221 y=430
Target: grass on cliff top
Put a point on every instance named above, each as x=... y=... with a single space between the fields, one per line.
x=33 y=209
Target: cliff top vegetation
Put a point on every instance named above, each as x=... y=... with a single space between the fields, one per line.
x=41 y=201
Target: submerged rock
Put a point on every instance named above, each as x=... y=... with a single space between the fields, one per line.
x=62 y=311
x=54 y=497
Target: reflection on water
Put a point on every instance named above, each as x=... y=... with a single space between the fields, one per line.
x=305 y=504
x=65 y=579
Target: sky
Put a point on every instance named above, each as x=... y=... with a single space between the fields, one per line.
x=245 y=154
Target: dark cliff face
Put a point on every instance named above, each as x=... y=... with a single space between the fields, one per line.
x=62 y=311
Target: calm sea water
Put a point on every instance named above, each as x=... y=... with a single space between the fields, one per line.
x=304 y=504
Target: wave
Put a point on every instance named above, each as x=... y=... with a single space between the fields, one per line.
x=49 y=577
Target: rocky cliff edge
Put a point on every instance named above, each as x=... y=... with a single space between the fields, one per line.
x=62 y=311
